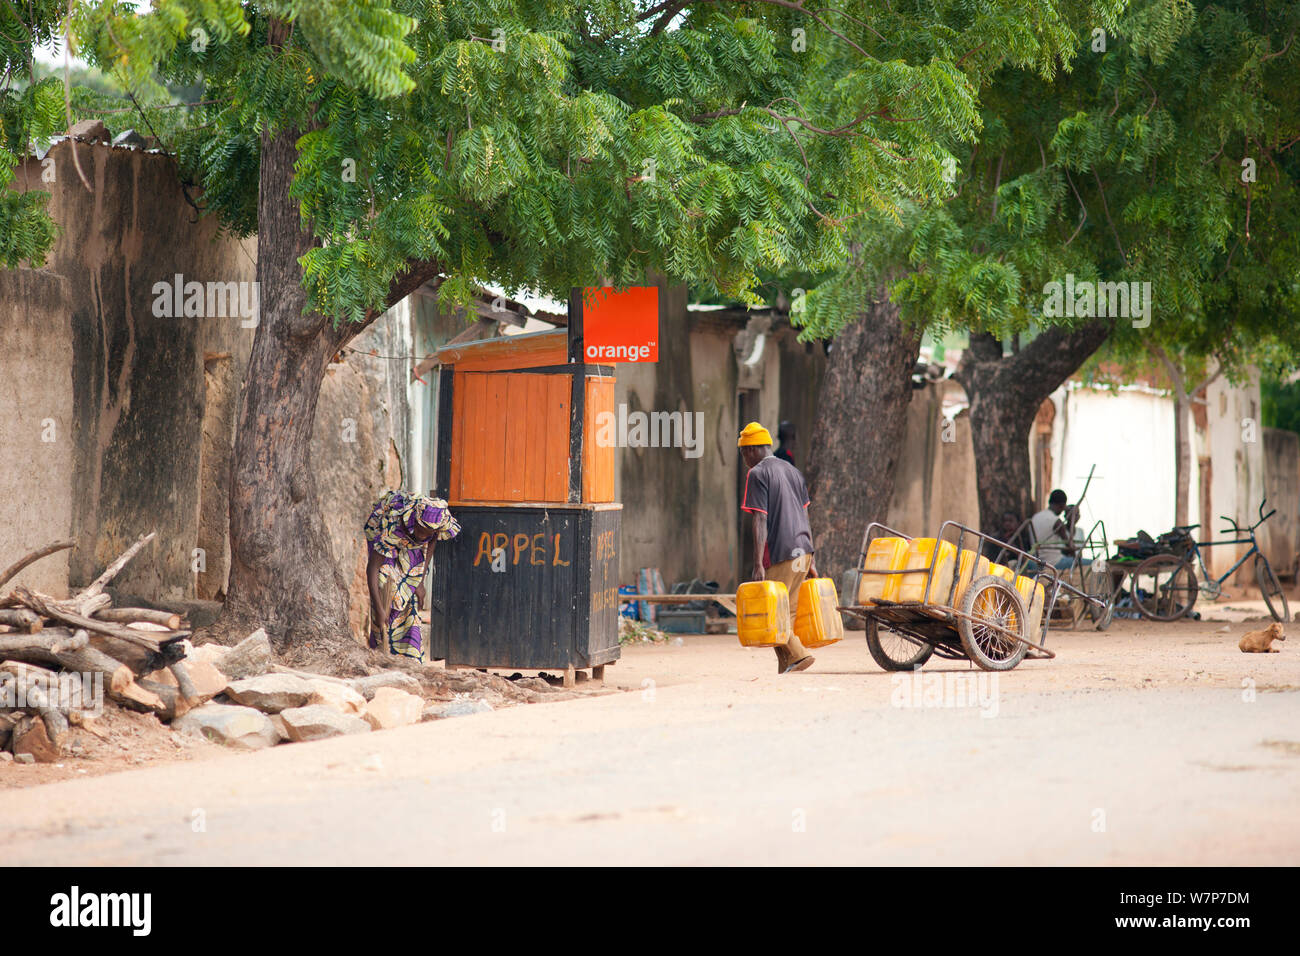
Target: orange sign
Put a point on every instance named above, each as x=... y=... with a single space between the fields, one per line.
x=620 y=326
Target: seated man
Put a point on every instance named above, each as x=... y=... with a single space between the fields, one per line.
x=1054 y=535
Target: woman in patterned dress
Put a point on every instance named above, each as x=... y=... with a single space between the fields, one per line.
x=401 y=533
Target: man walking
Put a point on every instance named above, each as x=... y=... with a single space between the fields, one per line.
x=776 y=496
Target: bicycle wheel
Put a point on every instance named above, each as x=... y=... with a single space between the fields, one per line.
x=1164 y=587
x=893 y=651
x=1271 y=588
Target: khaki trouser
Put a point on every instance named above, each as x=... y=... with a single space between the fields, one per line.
x=791 y=573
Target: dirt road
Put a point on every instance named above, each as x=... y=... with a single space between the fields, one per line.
x=1158 y=744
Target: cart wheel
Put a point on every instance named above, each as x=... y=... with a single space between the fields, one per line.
x=1101 y=619
x=1164 y=587
x=1271 y=588
x=992 y=612
x=893 y=652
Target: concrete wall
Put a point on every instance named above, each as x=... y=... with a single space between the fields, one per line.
x=935 y=481
x=660 y=488
x=143 y=408
x=36 y=361
x=1282 y=482
x=132 y=399
x=1234 y=443
x=1129 y=435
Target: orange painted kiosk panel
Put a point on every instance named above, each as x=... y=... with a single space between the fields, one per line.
x=598 y=463
x=513 y=423
x=532 y=580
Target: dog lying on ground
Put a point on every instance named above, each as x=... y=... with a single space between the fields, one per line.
x=1257 y=642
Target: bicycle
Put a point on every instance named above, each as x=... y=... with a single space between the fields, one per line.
x=1173 y=581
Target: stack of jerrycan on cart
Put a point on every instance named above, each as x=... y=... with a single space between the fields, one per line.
x=763 y=616
x=917 y=555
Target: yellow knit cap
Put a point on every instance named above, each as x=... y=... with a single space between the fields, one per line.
x=754 y=434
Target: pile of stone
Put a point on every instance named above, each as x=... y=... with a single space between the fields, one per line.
x=262 y=704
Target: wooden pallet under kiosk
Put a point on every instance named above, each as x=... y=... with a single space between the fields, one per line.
x=532 y=580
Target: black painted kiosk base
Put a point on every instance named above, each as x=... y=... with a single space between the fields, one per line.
x=529 y=586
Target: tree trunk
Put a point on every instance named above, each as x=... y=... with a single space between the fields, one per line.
x=1182 y=432
x=1183 y=452
x=861 y=421
x=1005 y=393
x=282 y=575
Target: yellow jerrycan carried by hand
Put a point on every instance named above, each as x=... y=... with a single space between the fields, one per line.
x=763 y=614
x=818 y=622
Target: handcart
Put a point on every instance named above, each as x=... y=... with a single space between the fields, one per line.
x=924 y=596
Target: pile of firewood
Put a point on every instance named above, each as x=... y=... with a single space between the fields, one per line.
x=48 y=644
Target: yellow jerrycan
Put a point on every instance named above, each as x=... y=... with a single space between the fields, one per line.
x=763 y=614
x=971 y=566
x=1032 y=593
x=1004 y=572
x=883 y=554
x=919 y=555
x=817 y=622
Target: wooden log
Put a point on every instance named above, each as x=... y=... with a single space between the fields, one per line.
x=20 y=619
x=13 y=570
x=30 y=736
x=73 y=642
x=138 y=697
x=141 y=660
x=42 y=604
x=132 y=615
x=20 y=669
x=97 y=586
x=173 y=701
x=57 y=647
x=29 y=692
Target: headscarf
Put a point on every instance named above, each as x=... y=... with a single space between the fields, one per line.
x=392 y=524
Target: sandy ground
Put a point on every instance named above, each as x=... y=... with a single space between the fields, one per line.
x=1146 y=744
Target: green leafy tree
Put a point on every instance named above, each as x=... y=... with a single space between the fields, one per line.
x=1130 y=168
x=376 y=147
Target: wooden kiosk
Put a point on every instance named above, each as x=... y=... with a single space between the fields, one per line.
x=532 y=580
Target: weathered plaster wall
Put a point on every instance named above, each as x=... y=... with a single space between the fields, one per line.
x=658 y=487
x=36 y=506
x=145 y=407
x=137 y=383
x=1282 y=483
x=1235 y=444
x=935 y=481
